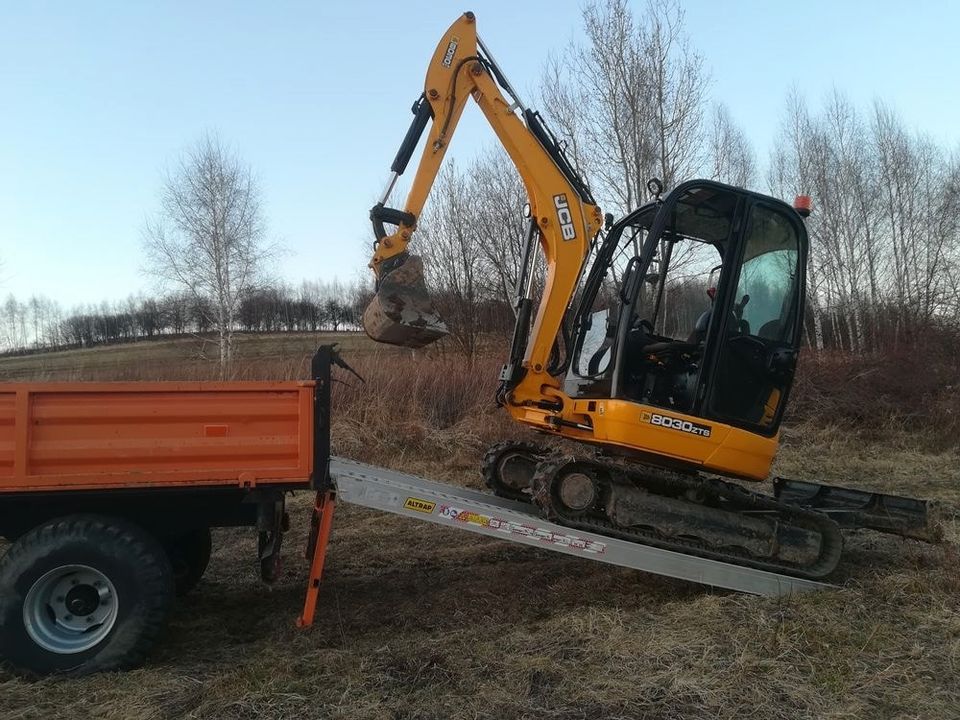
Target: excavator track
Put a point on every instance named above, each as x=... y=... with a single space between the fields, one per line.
x=508 y=468
x=694 y=515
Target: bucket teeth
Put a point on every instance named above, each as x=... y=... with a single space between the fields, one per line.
x=401 y=313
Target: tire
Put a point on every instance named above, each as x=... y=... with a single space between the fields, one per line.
x=111 y=580
x=189 y=555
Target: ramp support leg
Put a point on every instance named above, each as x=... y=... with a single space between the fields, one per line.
x=317 y=552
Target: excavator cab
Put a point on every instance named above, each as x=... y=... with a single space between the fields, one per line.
x=693 y=306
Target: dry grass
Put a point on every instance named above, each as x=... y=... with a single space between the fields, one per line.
x=418 y=621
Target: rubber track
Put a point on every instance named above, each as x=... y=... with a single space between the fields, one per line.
x=829 y=531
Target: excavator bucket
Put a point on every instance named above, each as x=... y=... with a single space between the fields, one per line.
x=401 y=313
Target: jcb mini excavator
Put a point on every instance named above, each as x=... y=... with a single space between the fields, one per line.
x=595 y=358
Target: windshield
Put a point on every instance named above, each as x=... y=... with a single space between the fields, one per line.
x=767 y=280
x=599 y=297
x=765 y=290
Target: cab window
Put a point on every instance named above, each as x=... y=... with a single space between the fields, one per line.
x=767 y=277
x=757 y=351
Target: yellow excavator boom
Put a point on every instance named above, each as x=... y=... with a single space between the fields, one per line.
x=563 y=213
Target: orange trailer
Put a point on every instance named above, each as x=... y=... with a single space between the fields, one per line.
x=108 y=492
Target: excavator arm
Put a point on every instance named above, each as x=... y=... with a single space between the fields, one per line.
x=563 y=215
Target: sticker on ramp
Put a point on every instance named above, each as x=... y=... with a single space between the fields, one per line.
x=424 y=506
x=515 y=528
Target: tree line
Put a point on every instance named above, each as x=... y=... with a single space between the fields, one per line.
x=885 y=233
x=40 y=323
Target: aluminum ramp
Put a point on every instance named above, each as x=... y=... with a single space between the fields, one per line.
x=510 y=521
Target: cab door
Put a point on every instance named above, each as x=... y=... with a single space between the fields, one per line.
x=760 y=334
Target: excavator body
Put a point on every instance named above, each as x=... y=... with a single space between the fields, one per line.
x=667 y=340
x=685 y=333
x=601 y=361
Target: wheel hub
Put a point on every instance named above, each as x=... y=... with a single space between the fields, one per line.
x=70 y=609
x=577 y=491
x=516 y=470
x=82 y=600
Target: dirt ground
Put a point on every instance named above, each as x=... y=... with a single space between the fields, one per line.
x=418 y=621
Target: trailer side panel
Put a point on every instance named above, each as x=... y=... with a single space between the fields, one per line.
x=65 y=436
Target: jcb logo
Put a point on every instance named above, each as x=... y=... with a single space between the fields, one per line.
x=673 y=423
x=565 y=217
x=451 y=51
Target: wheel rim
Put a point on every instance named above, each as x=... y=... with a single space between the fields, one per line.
x=70 y=609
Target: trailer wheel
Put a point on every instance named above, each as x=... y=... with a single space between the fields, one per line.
x=82 y=594
x=189 y=555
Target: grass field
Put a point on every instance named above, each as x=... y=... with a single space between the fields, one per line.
x=417 y=621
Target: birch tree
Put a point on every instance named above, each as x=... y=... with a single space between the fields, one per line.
x=453 y=258
x=732 y=159
x=885 y=232
x=209 y=237
x=500 y=224
x=629 y=100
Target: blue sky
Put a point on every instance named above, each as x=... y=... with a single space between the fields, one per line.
x=98 y=98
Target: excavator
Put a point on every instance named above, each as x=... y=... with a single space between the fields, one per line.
x=677 y=417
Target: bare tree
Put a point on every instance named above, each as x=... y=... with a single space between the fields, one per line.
x=455 y=262
x=209 y=236
x=732 y=158
x=629 y=100
x=500 y=197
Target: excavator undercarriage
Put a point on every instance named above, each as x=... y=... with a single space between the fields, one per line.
x=797 y=531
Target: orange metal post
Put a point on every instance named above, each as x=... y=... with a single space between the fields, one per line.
x=323 y=514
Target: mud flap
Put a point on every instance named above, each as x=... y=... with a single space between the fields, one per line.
x=401 y=313
x=853 y=509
